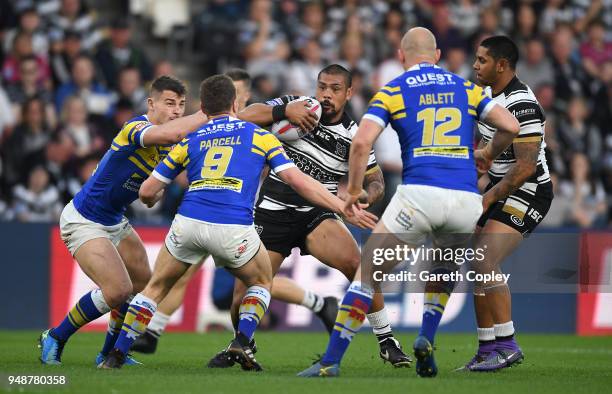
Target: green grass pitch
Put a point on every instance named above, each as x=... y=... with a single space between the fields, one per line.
x=554 y=364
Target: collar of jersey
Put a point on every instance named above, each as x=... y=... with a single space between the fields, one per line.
x=224 y=118
x=418 y=66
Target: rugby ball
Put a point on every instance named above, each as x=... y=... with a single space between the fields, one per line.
x=285 y=131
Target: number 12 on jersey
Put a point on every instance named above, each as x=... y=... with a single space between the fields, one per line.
x=437 y=122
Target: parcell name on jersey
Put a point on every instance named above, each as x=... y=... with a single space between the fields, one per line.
x=225 y=141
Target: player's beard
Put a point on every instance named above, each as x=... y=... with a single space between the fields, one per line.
x=328 y=111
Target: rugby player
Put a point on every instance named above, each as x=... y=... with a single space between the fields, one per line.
x=434 y=113
x=286 y=220
x=94 y=229
x=516 y=199
x=223 y=160
x=324 y=307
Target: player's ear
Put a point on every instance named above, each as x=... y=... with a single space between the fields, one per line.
x=349 y=93
x=502 y=65
x=150 y=103
x=438 y=54
x=400 y=56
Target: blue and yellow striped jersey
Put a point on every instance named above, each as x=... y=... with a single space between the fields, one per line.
x=115 y=182
x=223 y=160
x=434 y=113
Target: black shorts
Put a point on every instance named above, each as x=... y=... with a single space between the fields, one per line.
x=521 y=210
x=283 y=230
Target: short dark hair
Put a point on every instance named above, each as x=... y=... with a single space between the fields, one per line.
x=502 y=47
x=166 y=82
x=217 y=94
x=239 y=74
x=336 y=69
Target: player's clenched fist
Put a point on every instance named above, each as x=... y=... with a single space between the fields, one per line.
x=299 y=114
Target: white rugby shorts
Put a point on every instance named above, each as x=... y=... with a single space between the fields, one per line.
x=231 y=245
x=418 y=211
x=75 y=229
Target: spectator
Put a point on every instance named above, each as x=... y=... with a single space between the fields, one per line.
x=568 y=73
x=456 y=62
x=64 y=53
x=311 y=25
x=301 y=76
x=29 y=86
x=579 y=135
x=130 y=88
x=446 y=35
x=30 y=23
x=75 y=125
x=534 y=68
x=351 y=56
x=7 y=116
x=595 y=50
x=525 y=25
x=555 y=12
x=98 y=100
x=26 y=142
x=22 y=48
x=58 y=157
x=489 y=26
x=39 y=201
x=74 y=16
x=120 y=52
x=85 y=169
x=464 y=16
x=163 y=67
x=587 y=194
x=387 y=40
x=264 y=45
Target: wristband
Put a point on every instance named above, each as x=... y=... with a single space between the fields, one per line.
x=278 y=112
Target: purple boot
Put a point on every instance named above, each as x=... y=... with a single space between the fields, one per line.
x=507 y=353
x=485 y=348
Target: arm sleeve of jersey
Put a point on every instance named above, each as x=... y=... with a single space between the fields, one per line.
x=137 y=131
x=479 y=104
x=378 y=109
x=131 y=134
x=173 y=164
x=282 y=100
x=267 y=145
x=531 y=119
x=372 y=164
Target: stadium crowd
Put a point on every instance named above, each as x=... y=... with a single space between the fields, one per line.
x=70 y=79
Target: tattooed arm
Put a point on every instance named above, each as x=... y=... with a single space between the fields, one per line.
x=526 y=154
x=374 y=185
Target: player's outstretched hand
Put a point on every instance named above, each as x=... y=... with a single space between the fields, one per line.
x=483 y=162
x=362 y=218
x=298 y=113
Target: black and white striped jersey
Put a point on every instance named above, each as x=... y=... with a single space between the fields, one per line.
x=522 y=103
x=322 y=154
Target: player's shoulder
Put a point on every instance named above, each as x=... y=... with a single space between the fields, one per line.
x=282 y=100
x=138 y=122
x=518 y=91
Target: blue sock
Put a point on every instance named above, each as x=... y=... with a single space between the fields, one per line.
x=137 y=318
x=433 y=306
x=114 y=327
x=351 y=315
x=90 y=307
x=253 y=307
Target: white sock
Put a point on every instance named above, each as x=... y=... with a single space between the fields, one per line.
x=504 y=329
x=99 y=302
x=313 y=301
x=486 y=334
x=158 y=323
x=380 y=324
